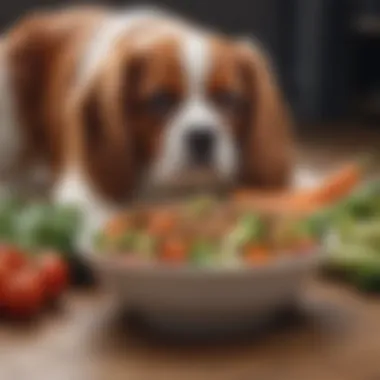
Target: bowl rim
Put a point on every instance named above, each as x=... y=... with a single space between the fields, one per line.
x=288 y=262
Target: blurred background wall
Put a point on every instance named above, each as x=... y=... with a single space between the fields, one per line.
x=327 y=52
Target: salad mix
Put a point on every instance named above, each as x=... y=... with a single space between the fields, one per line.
x=39 y=225
x=204 y=232
x=352 y=229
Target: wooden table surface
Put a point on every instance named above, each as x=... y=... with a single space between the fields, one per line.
x=337 y=338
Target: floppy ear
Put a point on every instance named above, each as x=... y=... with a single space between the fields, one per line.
x=101 y=139
x=40 y=56
x=30 y=47
x=267 y=141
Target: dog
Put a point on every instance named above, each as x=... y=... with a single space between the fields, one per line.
x=106 y=104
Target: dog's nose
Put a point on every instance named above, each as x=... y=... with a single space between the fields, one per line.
x=200 y=142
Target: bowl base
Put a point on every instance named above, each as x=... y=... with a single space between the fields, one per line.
x=247 y=325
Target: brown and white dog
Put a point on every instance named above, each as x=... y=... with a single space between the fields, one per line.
x=113 y=102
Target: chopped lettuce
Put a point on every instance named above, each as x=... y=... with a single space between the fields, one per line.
x=355 y=222
x=250 y=228
x=145 y=244
x=203 y=253
x=40 y=225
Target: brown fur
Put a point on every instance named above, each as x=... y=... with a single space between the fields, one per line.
x=101 y=139
x=42 y=51
x=119 y=137
x=159 y=72
x=262 y=126
x=268 y=145
x=106 y=127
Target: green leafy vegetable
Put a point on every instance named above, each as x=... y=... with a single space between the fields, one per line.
x=9 y=209
x=127 y=242
x=367 y=275
x=42 y=225
x=145 y=244
x=100 y=242
x=203 y=253
x=250 y=228
x=366 y=233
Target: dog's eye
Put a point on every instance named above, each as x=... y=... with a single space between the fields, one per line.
x=229 y=101
x=161 y=103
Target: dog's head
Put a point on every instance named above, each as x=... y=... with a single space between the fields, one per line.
x=165 y=104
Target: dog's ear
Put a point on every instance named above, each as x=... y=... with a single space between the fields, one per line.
x=40 y=53
x=30 y=47
x=101 y=137
x=267 y=139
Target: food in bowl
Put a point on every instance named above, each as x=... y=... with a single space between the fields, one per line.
x=213 y=263
x=250 y=228
x=354 y=237
x=204 y=232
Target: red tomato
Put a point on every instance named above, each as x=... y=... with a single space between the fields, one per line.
x=12 y=258
x=23 y=293
x=55 y=274
x=4 y=276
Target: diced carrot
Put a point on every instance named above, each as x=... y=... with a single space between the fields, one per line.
x=257 y=255
x=305 y=245
x=117 y=226
x=174 y=251
x=161 y=223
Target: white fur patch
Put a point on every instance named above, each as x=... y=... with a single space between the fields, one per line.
x=73 y=189
x=306 y=177
x=196 y=61
x=104 y=38
x=195 y=113
x=119 y=24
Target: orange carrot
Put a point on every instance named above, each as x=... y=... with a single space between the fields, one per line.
x=174 y=251
x=335 y=187
x=117 y=226
x=305 y=244
x=257 y=255
x=339 y=184
x=162 y=223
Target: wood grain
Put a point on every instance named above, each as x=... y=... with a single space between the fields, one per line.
x=337 y=338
